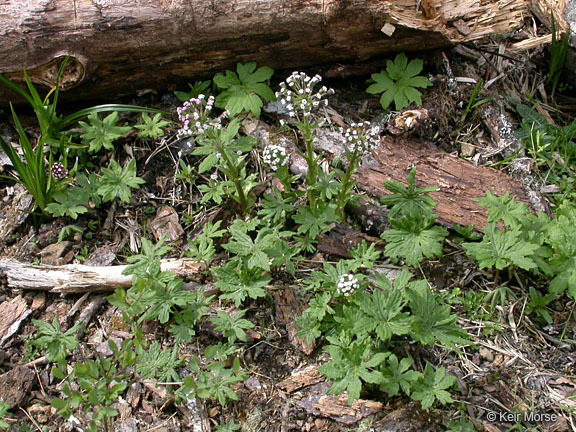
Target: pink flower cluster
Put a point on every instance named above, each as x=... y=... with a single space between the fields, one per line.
x=195 y=116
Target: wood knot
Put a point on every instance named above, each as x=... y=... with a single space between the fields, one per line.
x=47 y=73
x=72 y=76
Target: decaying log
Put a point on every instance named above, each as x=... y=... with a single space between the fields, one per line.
x=459 y=182
x=70 y=279
x=121 y=46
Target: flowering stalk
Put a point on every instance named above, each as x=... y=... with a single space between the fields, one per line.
x=216 y=143
x=360 y=141
x=298 y=96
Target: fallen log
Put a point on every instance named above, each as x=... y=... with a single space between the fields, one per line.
x=71 y=279
x=120 y=46
x=459 y=182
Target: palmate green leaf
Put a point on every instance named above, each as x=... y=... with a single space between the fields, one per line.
x=432 y=322
x=398 y=375
x=352 y=362
x=237 y=281
x=353 y=320
x=241 y=244
x=503 y=208
x=244 y=90
x=151 y=127
x=87 y=189
x=102 y=133
x=397 y=68
x=384 y=309
x=413 y=238
x=4 y=408
x=232 y=326
x=433 y=387
x=118 y=182
x=276 y=208
x=158 y=363
x=408 y=199
x=502 y=249
x=166 y=299
x=199 y=87
x=51 y=338
x=314 y=221
x=397 y=83
x=67 y=204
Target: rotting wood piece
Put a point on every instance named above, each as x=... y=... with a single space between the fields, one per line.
x=70 y=279
x=459 y=182
x=121 y=47
x=287 y=309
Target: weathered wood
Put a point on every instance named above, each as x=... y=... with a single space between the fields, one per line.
x=459 y=182
x=69 y=279
x=121 y=46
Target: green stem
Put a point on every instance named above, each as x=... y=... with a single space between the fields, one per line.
x=233 y=172
x=346 y=186
x=309 y=133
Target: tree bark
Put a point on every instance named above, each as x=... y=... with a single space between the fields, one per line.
x=121 y=46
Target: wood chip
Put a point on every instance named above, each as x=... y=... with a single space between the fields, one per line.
x=15 y=385
x=166 y=224
x=287 y=309
x=12 y=313
x=301 y=378
x=336 y=407
x=56 y=253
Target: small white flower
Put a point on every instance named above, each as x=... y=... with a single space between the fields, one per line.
x=275 y=156
x=347 y=284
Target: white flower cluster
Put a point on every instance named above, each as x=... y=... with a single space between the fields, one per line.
x=195 y=116
x=347 y=284
x=298 y=96
x=275 y=156
x=361 y=140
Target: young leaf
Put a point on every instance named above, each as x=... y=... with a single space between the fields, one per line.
x=232 y=326
x=398 y=375
x=67 y=204
x=244 y=90
x=237 y=281
x=503 y=208
x=384 y=309
x=432 y=321
x=411 y=199
x=413 y=237
x=158 y=363
x=352 y=362
x=398 y=83
x=314 y=221
x=502 y=249
x=151 y=127
x=433 y=387
x=118 y=182
x=102 y=133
